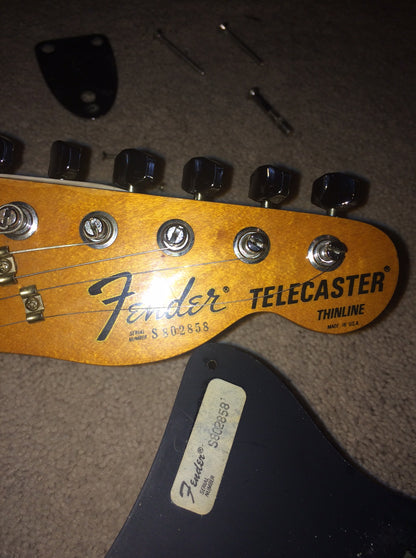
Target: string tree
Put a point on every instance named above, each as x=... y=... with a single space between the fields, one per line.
x=8 y=267
x=32 y=303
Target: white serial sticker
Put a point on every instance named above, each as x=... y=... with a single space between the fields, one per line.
x=202 y=467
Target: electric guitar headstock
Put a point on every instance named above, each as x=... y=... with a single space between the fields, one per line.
x=95 y=274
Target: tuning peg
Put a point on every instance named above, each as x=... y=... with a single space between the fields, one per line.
x=202 y=177
x=134 y=170
x=65 y=161
x=6 y=154
x=269 y=185
x=337 y=192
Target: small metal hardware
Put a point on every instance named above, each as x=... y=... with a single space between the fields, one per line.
x=105 y=155
x=8 y=267
x=251 y=245
x=159 y=35
x=326 y=253
x=18 y=220
x=225 y=27
x=277 y=118
x=175 y=237
x=33 y=304
x=98 y=229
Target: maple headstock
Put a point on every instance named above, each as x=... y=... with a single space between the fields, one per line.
x=173 y=273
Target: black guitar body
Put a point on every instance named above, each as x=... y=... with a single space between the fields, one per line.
x=286 y=491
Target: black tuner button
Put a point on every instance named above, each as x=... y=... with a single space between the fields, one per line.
x=202 y=177
x=65 y=161
x=337 y=192
x=134 y=170
x=269 y=185
x=6 y=154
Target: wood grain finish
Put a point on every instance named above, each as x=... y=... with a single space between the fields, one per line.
x=158 y=305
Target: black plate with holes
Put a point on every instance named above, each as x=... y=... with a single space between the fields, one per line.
x=287 y=491
x=81 y=73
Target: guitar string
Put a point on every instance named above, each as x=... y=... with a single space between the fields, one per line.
x=71 y=267
x=92 y=262
x=104 y=260
x=211 y=303
x=158 y=308
x=132 y=254
x=50 y=247
x=144 y=272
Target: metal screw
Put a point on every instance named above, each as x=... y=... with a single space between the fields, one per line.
x=32 y=303
x=277 y=118
x=5 y=266
x=159 y=35
x=241 y=44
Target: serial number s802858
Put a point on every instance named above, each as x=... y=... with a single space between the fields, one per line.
x=219 y=424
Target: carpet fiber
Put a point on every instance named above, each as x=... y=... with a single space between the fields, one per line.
x=76 y=440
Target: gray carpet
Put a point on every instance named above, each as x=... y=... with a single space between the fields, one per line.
x=77 y=440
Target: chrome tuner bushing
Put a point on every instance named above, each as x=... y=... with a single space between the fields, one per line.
x=326 y=253
x=175 y=237
x=18 y=220
x=98 y=229
x=251 y=245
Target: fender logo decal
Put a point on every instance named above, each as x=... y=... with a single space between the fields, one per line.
x=187 y=304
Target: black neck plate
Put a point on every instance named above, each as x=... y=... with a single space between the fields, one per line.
x=80 y=72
